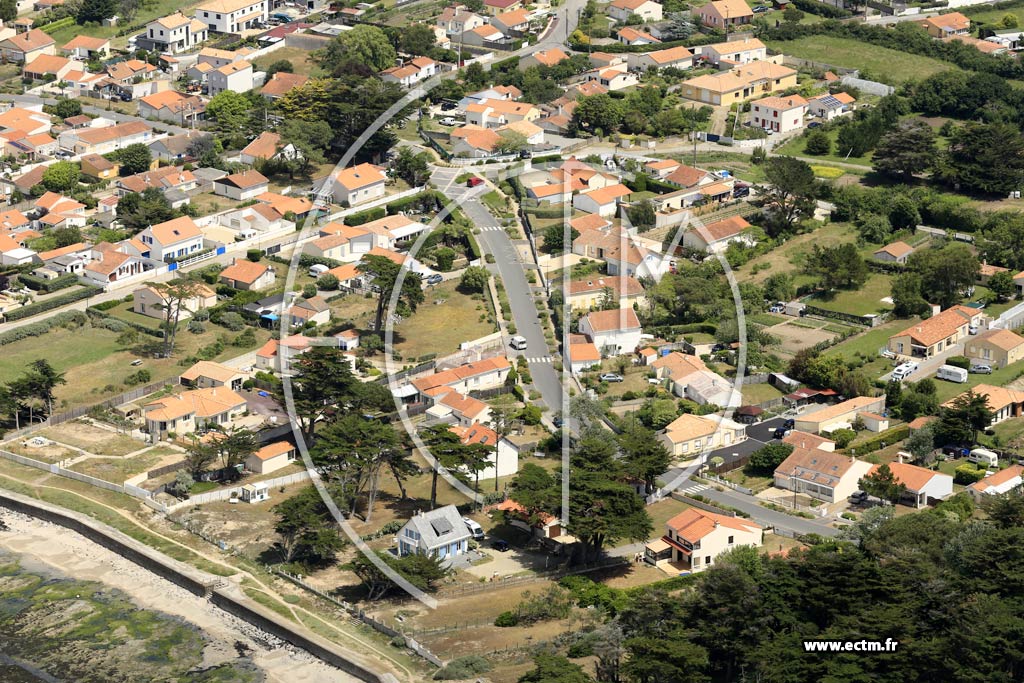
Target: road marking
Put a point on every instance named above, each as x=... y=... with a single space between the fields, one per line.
x=491 y=228
x=694 y=488
x=539 y=359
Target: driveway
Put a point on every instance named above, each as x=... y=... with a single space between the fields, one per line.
x=928 y=367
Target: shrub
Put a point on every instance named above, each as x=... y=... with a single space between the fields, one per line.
x=51 y=303
x=469 y=666
x=843 y=437
x=506 y=619
x=112 y=324
x=196 y=327
x=328 y=282
x=966 y=474
x=959 y=362
x=232 y=321
x=37 y=329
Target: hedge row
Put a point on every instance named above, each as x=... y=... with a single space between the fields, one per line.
x=888 y=437
x=52 y=303
x=38 y=329
x=376 y=213
x=103 y=315
x=692 y=41
x=41 y=284
x=821 y=9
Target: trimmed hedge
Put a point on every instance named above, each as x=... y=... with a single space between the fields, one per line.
x=367 y=216
x=38 y=329
x=888 y=437
x=52 y=303
x=821 y=9
x=40 y=284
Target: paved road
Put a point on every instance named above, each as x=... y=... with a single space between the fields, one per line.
x=512 y=272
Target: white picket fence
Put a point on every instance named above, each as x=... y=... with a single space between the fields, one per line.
x=235 y=491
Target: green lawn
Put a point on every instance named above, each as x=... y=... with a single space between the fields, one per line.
x=877 y=62
x=147 y=12
x=796 y=147
x=116 y=470
x=759 y=393
x=862 y=301
x=791 y=254
x=1002 y=377
x=444 y=320
x=301 y=62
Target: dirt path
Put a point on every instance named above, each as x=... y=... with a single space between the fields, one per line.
x=396 y=668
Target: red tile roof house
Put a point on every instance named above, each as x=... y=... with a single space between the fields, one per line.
x=716 y=237
x=922 y=484
x=358 y=184
x=171 y=239
x=614 y=332
x=248 y=276
x=695 y=538
x=482 y=374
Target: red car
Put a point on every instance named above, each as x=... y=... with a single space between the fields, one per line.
x=474 y=181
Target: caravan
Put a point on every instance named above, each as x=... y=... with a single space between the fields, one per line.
x=952 y=373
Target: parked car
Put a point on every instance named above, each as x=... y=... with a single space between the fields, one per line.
x=500 y=545
x=435 y=279
x=981 y=368
x=858 y=497
x=814 y=124
x=760 y=9
x=612 y=377
x=741 y=191
x=780 y=433
x=448 y=121
x=449 y=106
x=789 y=424
x=474 y=181
x=955 y=451
x=777 y=309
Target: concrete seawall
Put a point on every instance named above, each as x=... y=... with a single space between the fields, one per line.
x=227 y=598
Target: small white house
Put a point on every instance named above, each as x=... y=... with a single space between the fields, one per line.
x=613 y=332
x=256 y=492
x=440 y=533
x=271 y=458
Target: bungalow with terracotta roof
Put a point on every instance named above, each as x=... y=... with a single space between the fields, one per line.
x=514 y=23
x=995 y=347
x=716 y=237
x=921 y=484
x=50 y=67
x=188 y=411
x=482 y=374
x=549 y=57
x=272 y=457
x=474 y=142
x=280 y=356
x=247 y=276
x=30 y=121
x=896 y=252
x=999 y=483
x=173 y=239
x=830 y=105
x=838 y=416
x=677 y=57
x=754 y=79
x=622 y=10
x=945 y=25
x=22 y=48
x=412 y=72
x=614 y=332
x=497 y=113
x=725 y=13
x=695 y=538
x=281 y=83
x=149 y=302
x=464 y=410
x=172 y=106
x=206 y=373
x=483 y=36
x=931 y=337
x=799 y=439
x=358 y=184
x=503 y=458
x=496 y=7
x=597 y=291
x=733 y=52
x=313 y=310
x=628 y=35
x=541 y=525
x=241 y=186
x=603 y=201
x=340 y=242
x=830 y=477
x=109 y=263
x=1004 y=403
x=101 y=140
x=583 y=356
x=86 y=47
x=267 y=145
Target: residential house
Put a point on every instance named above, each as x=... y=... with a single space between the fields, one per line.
x=502 y=461
x=482 y=36
x=999 y=483
x=945 y=25
x=267 y=145
x=483 y=374
x=247 y=276
x=733 y=52
x=58 y=211
x=150 y=302
x=543 y=58
x=173 y=181
x=622 y=10
x=175 y=33
x=620 y=253
x=614 y=332
x=896 y=252
x=540 y=525
x=49 y=67
x=87 y=48
x=28 y=147
x=838 y=416
x=95 y=166
x=596 y=291
x=241 y=186
x=108 y=263
x=799 y=439
x=340 y=242
x=678 y=57
x=313 y=310
x=172 y=106
x=451 y=406
x=232 y=16
x=30 y=121
x=1004 y=403
x=105 y=139
x=689 y=436
x=497 y=113
x=358 y=184
x=987 y=47
x=281 y=83
x=830 y=477
x=283 y=204
x=725 y=14
x=931 y=337
x=498 y=92
x=236 y=77
x=23 y=48
x=695 y=538
x=272 y=457
x=516 y=22
x=602 y=201
x=921 y=484
x=996 y=347
x=175 y=148
x=189 y=411
x=830 y=105
x=628 y=35
x=739 y=84
x=173 y=239
x=206 y=374
x=412 y=72
x=456 y=20
x=474 y=142
x=496 y=7
x=987 y=270
x=279 y=356
x=617 y=77
x=439 y=533
x=583 y=356
x=716 y=237
x=778 y=114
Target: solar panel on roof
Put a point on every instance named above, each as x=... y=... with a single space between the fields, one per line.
x=441 y=526
x=831 y=102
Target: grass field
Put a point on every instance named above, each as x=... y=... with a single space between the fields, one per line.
x=116 y=470
x=862 y=301
x=851 y=54
x=300 y=60
x=759 y=393
x=446 y=318
x=147 y=12
x=797 y=145
x=791 y=254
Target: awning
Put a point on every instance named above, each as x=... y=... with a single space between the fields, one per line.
x=658 y=545
x=677 y=545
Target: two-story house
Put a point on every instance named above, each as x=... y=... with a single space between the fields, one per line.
x=614 y=332
x=440 y=533
x=695 y=538
x=173 y=239
x=232 y=16
x=175 y=33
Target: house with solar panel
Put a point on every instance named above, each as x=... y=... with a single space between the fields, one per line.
x=440 y=533
x=830 y=106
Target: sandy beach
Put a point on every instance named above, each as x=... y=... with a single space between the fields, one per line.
x=43 y=545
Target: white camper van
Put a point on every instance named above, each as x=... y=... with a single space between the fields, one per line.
x=952 y=373
x=983 y=456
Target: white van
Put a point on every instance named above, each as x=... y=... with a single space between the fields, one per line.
x=952 y=373
x=518 y=343
x=903 y=371
x=475 y=529
x=983 y=456
x=317 y=269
